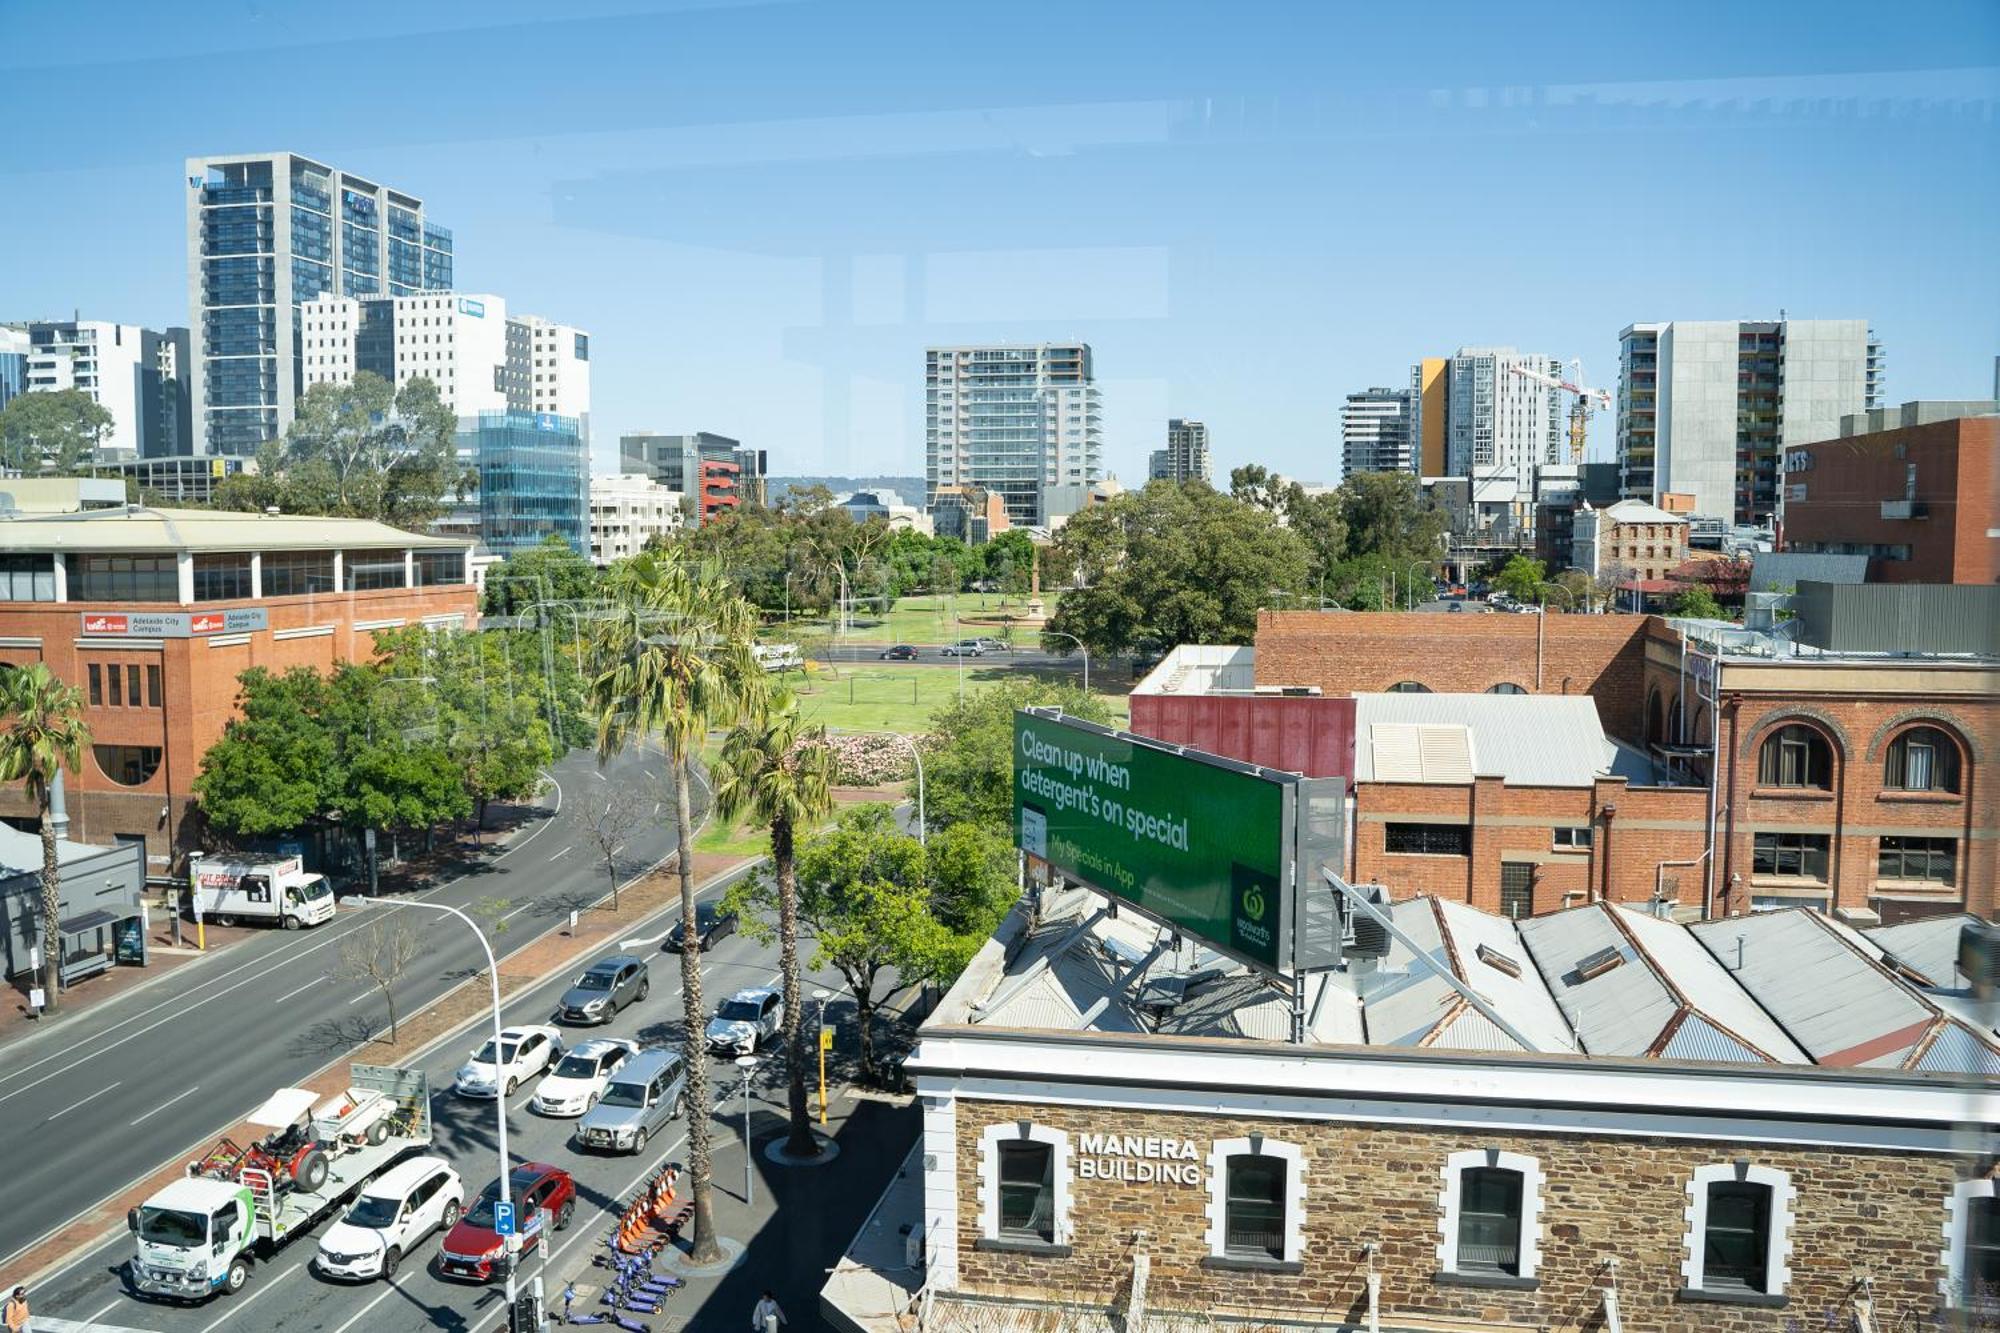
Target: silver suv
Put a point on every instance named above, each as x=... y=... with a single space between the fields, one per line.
x=638 y=1101
x=745 y=1021
x=608 y=986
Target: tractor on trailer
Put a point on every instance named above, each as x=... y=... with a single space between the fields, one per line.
x=199 y=1235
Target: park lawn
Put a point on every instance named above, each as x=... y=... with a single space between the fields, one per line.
x=893 y=696
x=925 y=619
x=728 y=839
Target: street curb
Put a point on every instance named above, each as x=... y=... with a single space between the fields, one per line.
x=74 y=1252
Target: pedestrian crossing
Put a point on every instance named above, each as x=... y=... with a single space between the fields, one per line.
x=43 y=1323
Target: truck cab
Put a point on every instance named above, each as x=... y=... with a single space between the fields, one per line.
x=283 y=892
x=193 y=1239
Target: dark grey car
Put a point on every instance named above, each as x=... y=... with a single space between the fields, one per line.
x=605 y=988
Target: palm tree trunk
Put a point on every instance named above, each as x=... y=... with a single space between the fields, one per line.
x=801 y=1142
x=51 y=911
x=703 y=1248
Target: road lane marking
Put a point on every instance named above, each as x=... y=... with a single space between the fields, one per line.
x=364 y=995
x=237 y=1302
x=50 y=1324
x=565 y=851
x=161 y=1107
x=80 y=1101
x=298 y=991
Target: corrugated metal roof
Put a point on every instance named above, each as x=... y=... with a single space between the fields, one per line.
x=1532 y=740
x=1402 y=752
x=1708 y=987
x=149 y=529
x=1928 y=947
x=1698 y=1039
x=1620 y=1012
x=1781 y=571
x=1958 y=1050
x=1835 y=1002
x=1408 y=1004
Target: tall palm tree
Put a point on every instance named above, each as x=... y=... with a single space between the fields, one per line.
x=45 y=734
x=679 y=663
x=781 y=770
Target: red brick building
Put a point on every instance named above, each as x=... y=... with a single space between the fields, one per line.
x=154 y=613
x=1918 y=500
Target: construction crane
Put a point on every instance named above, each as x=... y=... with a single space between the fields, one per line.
x=1579 y=409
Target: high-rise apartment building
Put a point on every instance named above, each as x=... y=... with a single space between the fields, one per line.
x=709 y=467
x=1012 y=419
x=1186 y=456
x=627 y=513
x=136 y=374
x=1706 y=408
x=1430 y=412
x=481 y=358
x=1500 y=424
x=266 y=233
x=1375 y=431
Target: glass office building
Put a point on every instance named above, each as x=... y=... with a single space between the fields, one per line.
x=534 y=479
x=267 y=232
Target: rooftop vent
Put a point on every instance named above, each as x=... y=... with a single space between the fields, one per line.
x=1597 y=964
x=1500 y=962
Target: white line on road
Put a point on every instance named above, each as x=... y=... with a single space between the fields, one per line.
x=565 y=851
x=364 y=995
x=80 y=1101
x=236 y=1304
x=299 y=991
x=156 y=1110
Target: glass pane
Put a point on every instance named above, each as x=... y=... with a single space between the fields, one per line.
x=1027 y=1195
x=1255 y=1213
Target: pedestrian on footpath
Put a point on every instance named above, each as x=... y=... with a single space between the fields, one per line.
x=767 y=1317
x=16 y=1316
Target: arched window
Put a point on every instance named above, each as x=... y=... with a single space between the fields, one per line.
x=1409 y=687
x=1674 y=732
x=1739 y=1231
x=1490 y=1215
x=1795 y=755
x=1972 y=1252
x=1653 y=722
x=1922 y=759
x=1505 y=687
x=1700 y=732
x=1256 y=1198
x=1024 y=1186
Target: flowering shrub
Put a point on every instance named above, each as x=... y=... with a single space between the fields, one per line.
x=869 y=761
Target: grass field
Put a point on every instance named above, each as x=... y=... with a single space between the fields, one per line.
x=891 y=696
x=925 y=620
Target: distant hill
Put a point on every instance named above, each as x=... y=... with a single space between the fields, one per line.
x=910 y=488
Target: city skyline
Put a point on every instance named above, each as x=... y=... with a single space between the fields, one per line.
x=839 y=233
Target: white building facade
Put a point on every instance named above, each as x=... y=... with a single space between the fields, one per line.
x=1186 y=457
x=136 y=374
x=1501 y=423
x=628 y=511
x=1015 y=419
x=1376 y=432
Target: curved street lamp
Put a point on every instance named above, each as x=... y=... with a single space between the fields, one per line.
x=1056 y=633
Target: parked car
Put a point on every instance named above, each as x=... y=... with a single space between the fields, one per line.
x=638 y=1102
x=578 y=1079
x=544 y=1199
x=902 y=652
x=745 y=1021
x=394 y=1213
x=523 y=1052
x=711 y=923
x=963 y=648
x=606 y=987
x=990 y=644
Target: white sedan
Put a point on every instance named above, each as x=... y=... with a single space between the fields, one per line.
x=577 y=1081
x=522 y=1053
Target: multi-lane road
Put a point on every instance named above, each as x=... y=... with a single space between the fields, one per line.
x=92 y=1296
x=98 y=1101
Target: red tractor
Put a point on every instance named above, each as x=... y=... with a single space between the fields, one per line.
x=291 y=1155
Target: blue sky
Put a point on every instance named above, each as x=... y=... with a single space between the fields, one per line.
x=763 y=212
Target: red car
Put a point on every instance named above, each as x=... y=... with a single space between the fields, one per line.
x=544 y=1198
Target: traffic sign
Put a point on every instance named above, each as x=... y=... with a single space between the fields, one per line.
x=503 y=1219
x=825 y=1037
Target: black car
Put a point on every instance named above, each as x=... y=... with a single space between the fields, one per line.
x=711 y=923
x=902 y=652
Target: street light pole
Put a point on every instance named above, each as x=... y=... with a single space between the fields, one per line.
x=194 y=893
x=1056 y=633
x=512 y=1242
x=820 y=997
x=746 y=1063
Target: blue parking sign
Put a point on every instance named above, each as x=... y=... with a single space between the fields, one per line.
x=503 y=1219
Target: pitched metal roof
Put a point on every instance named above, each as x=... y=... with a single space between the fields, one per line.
x=1408 y=1004
x=1532 y=740
x=1928 y=947
x=142 y=528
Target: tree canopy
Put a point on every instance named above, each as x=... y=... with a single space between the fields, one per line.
x=52 y=433
x=969 y=753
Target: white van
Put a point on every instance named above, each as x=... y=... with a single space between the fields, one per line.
x=277 y=891
x=779 y=656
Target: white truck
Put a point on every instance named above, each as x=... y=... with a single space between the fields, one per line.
x=199 y=1235
x=284 y=892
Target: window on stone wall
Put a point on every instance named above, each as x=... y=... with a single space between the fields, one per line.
x=1922 y=759
x=1254 y=1207
x=1795 y=756
x=1737 y=1242
x=1427 y=839
x=1972 y=1260
x=1491 y=1209
x=1028 y=1191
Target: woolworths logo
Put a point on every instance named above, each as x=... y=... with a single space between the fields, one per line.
x=1249 y=924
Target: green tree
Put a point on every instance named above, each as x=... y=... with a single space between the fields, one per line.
x=490 y=706
x=45 y=734
x=1176 y=564
x=1258 y=487
x=1521 y=578
x=1321 y=523
x=781 y=771
x=1010 y=561
x=681 y=663
x=276 y=766
x=969 y=752
x=865 y=895
x=1388 y=514
x=54 y=433
x=1698 y=603
x=552 y=572
x=973 y=881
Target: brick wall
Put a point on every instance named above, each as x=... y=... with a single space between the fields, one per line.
x=1844 y=482
x=1362 y=652
x=1872 y=1212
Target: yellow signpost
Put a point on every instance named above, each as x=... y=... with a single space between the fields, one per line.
x=825 y=1045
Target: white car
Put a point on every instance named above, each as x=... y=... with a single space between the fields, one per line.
x=524 y=1052
x=395 y=1212
x=577 y=1081
x=745 y=1021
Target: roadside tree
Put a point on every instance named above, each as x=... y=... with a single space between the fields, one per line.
x=969 y=752
x=380 y=954
x=44 y=734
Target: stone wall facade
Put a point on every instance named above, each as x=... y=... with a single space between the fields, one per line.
x=1854 y=1212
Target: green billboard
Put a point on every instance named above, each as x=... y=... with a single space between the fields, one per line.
x=1199 y=842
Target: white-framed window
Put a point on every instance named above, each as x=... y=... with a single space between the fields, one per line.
x=1490 y=1214
x=1739 y=1228
x=1971 y=1247
x=1025 y=1172
x=1256 y=1200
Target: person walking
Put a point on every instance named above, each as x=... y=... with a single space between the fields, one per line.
x=15 y=1316
x=767 y=1317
